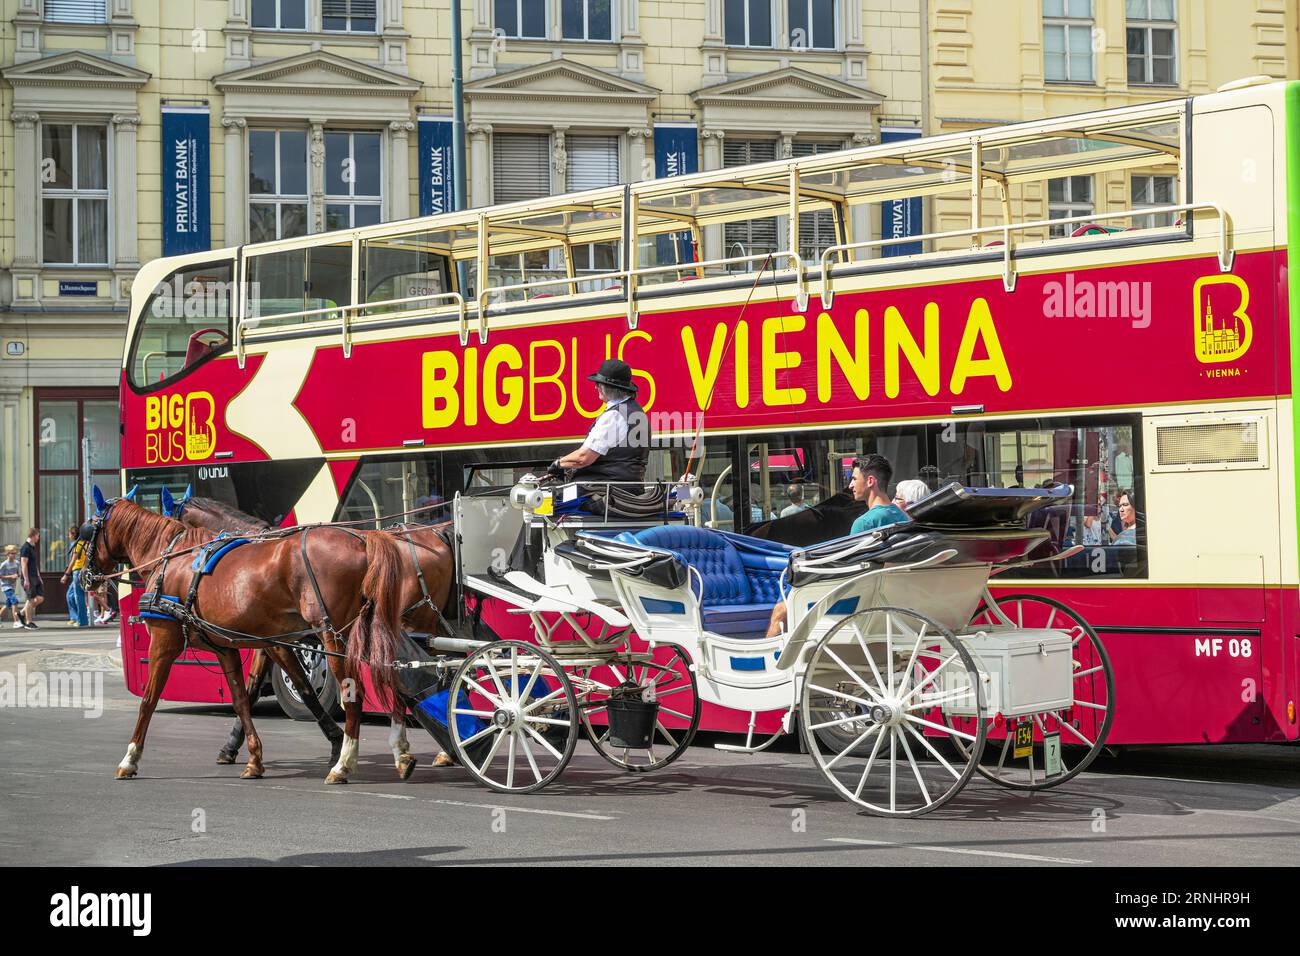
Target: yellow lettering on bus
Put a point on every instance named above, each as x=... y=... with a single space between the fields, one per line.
x=924 y=362
x=773 y=361
x=855 y=365
x=648 y=399
x=470 y=388
x=556 y=378
x=742 y=364
x=175 y=411
x=574 y=370
x=494 y=384
x=979 y=326
x=439 y=402
x=704 y=380
x=152 y=413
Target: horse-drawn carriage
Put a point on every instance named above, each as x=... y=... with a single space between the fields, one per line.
x=896 y=665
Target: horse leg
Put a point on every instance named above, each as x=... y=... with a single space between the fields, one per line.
x=233 y=668
x=401 y=749
x=351 y=695
x=165 y=645
x=258 y=675
x=290 y=664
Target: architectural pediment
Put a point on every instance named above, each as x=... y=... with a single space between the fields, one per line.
x=788 y=86
x=75 y=68
x=561 y=79
x=314 y=74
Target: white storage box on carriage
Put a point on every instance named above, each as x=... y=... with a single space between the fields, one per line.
x=1024 y=671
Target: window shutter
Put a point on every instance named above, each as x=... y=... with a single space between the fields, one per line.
x=742 y=152
x=521 y=166
x=593 y=161
x=362 y=9
x=754 y=235
x=76 y=11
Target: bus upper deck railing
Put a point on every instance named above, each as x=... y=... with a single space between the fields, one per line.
x=629 y=277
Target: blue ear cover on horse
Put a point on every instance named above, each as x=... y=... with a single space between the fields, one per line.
x=130 y=495
x=189 y=493
x=168 y=503
x=99 y=499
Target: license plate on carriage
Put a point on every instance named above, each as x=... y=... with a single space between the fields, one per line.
x=1024 y=740
x=1052 y=754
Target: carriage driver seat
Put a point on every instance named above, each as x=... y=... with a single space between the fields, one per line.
x=741 y=577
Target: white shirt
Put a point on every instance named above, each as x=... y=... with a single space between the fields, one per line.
x=609 y=430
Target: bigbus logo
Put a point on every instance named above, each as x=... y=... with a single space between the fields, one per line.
x=1223 y=331
x=179 y=428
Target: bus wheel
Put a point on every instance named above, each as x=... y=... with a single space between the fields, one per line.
x=322 y=681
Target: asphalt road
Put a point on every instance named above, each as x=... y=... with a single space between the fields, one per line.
x=60 y=804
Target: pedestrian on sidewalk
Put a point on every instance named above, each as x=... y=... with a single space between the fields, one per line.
x=30 y=566
x=77 y=552
x=9 y=573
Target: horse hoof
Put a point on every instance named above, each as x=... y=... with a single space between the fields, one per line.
x=225 y=757
x=251 y=774
x=443 y=760
x=125 y=773
x=406 y=766
x=335 y=778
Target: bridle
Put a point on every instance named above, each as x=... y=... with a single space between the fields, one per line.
x=91 y=577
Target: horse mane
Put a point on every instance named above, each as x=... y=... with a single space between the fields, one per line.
x=132 y=521
x=230 y=517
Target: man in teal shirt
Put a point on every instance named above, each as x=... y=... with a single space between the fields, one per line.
x=870 y=483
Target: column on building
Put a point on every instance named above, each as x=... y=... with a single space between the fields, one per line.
x=26 y=192
x=712 y=159
x=480 y=163
x=397 y=196
x=234 y=130
x=126 y=256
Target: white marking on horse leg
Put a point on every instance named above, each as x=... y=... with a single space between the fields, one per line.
x=347 y=759
x=131 y=761
x=397 y=741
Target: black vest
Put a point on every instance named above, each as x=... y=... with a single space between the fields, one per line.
x=626 y=461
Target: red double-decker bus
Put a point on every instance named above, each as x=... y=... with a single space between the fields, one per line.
x=1141 y=354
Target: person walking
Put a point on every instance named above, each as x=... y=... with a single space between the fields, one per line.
x=9 y=574
x=77 y=553
x=29 y=562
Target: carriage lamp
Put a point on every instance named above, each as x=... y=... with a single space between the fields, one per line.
x=526 y=495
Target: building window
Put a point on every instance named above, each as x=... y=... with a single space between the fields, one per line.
x=587 y=20
x=1151 y=43
x=816 y=229
x=593 y=162
x=76 y=11
x=353 y=195
x=1066 y=198
x=521 y=166
x=1148 y=191
x=811 y=24
x=348 y=16
x=1067 y=41
x=74 y=194
x=751 y=236
x=522 y=19
x=277 y=184
x=279 y=14
x=748 y=22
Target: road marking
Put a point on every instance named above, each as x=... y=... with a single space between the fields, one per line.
x=499 y=806
x=1029 y=857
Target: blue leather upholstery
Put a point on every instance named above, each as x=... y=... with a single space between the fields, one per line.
x=214 y=551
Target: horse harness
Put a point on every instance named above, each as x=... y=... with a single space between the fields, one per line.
x=426 y=599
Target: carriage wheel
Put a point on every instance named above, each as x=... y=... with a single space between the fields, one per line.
x=1082 y=727
x=671 y=679
x=888 y=672
x=520 y=726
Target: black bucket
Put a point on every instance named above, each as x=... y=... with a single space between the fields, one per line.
x=631 y=722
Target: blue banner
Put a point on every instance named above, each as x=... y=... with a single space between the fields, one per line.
x=900 y=217
x=677 y=152
x=186 y=174
x=437 y=177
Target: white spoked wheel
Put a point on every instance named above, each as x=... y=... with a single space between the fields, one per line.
x=888 y=673
x=1076 y=733
x=669 y=680
x=514 y=717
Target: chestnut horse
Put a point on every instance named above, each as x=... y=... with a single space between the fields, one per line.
x=263 y=589
x=424 y=607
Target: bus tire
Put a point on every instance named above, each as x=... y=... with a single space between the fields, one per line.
x=318 y=672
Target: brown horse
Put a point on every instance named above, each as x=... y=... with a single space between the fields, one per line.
x=267 y=589
x=424 y=610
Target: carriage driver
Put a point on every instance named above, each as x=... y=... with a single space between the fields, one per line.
x=618 y=445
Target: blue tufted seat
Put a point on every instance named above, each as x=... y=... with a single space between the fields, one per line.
x=740 y=584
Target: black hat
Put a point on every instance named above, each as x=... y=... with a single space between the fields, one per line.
x=614 y=373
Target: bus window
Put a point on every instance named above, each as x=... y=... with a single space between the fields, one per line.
x=292 y=281
x=401 y=268
x=1100 y=460
x=186 y=320
x=384 y=488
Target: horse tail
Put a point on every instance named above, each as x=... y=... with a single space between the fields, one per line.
x=379 y=628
